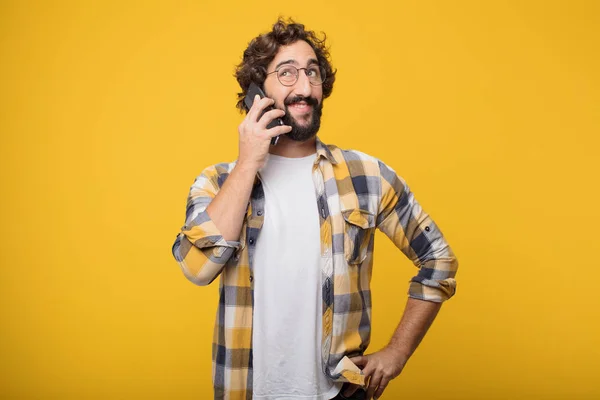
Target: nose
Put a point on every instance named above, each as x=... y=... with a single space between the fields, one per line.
x=302 y=87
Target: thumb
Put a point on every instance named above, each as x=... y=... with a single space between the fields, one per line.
x=360 y=361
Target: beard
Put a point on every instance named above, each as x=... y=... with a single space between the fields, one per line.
x=302 y=133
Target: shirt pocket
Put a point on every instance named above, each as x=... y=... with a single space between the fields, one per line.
x=358 y=230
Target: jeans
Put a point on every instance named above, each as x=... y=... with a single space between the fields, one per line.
x=360 y=394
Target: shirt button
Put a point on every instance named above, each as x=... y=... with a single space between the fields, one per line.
x=251 y=241
x=259 y=213
x=427 y=228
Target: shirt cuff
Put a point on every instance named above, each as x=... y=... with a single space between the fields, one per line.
x=203 y=233
x=435 y=281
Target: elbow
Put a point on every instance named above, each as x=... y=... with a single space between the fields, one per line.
x=204 y=271
x=200 y=279
x=201 y=275
x=200 y=266
x=195 y=265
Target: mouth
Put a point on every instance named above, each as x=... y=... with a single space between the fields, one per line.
x=300 y=107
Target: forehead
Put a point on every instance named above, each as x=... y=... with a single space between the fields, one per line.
x=298 y=53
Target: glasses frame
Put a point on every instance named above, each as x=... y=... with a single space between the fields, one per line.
x=323 y=75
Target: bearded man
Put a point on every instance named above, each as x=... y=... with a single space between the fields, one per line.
x=289 y=229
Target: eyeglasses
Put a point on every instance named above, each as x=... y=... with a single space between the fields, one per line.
x=288 y=74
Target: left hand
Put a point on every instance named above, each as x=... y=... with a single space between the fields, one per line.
x=381 y=367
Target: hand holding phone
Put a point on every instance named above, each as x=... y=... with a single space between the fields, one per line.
x=254 y=90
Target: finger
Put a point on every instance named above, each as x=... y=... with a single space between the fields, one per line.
x=375 y=380
x=382 y=385
x=254 y=109
x=258 y=107
x=278 y=130
x=270 y=116
x=349 y=391
x=368 y=371
x=250 y=112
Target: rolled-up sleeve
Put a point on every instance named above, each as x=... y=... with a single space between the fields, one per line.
x=200 y=248
x=402 y=219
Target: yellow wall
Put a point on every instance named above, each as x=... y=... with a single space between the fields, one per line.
x=108 y=110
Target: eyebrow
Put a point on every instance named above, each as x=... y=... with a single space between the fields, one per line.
x=291 y=61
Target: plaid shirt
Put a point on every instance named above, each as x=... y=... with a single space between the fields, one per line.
x=356 y=193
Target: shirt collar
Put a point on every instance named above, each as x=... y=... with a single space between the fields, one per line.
x=323 y=151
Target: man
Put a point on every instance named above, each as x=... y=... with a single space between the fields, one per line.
x=289 y=228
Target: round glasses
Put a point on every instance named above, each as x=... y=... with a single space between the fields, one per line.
x=288 y=74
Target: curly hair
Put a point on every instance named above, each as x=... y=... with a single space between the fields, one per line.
x=262 y=49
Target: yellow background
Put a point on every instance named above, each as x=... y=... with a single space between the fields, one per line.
x=108 y=111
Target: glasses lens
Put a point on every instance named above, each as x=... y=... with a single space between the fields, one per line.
x=316 y=75
x=287 y=75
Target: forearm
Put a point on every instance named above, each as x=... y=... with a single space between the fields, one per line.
x=209 y=238
x=416 y=320
x=229 y=206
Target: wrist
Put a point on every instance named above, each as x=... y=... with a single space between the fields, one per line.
x=399 y=352
x=247 y=167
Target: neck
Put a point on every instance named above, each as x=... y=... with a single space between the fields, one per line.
x=293 y=149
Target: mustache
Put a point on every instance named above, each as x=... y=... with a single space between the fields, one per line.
x=311 y=101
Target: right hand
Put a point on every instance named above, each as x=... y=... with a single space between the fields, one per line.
x=255 y=138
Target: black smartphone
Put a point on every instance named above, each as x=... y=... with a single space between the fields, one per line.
x=254 y=90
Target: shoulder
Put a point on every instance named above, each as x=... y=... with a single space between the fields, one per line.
x=220 y=168
x=357 y=162
x=215 y=174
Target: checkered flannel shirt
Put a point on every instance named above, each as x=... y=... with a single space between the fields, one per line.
x=356 y=193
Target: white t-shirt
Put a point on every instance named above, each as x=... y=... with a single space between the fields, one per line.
x=287 y=325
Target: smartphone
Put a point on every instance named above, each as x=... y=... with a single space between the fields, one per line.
x=254 y=90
